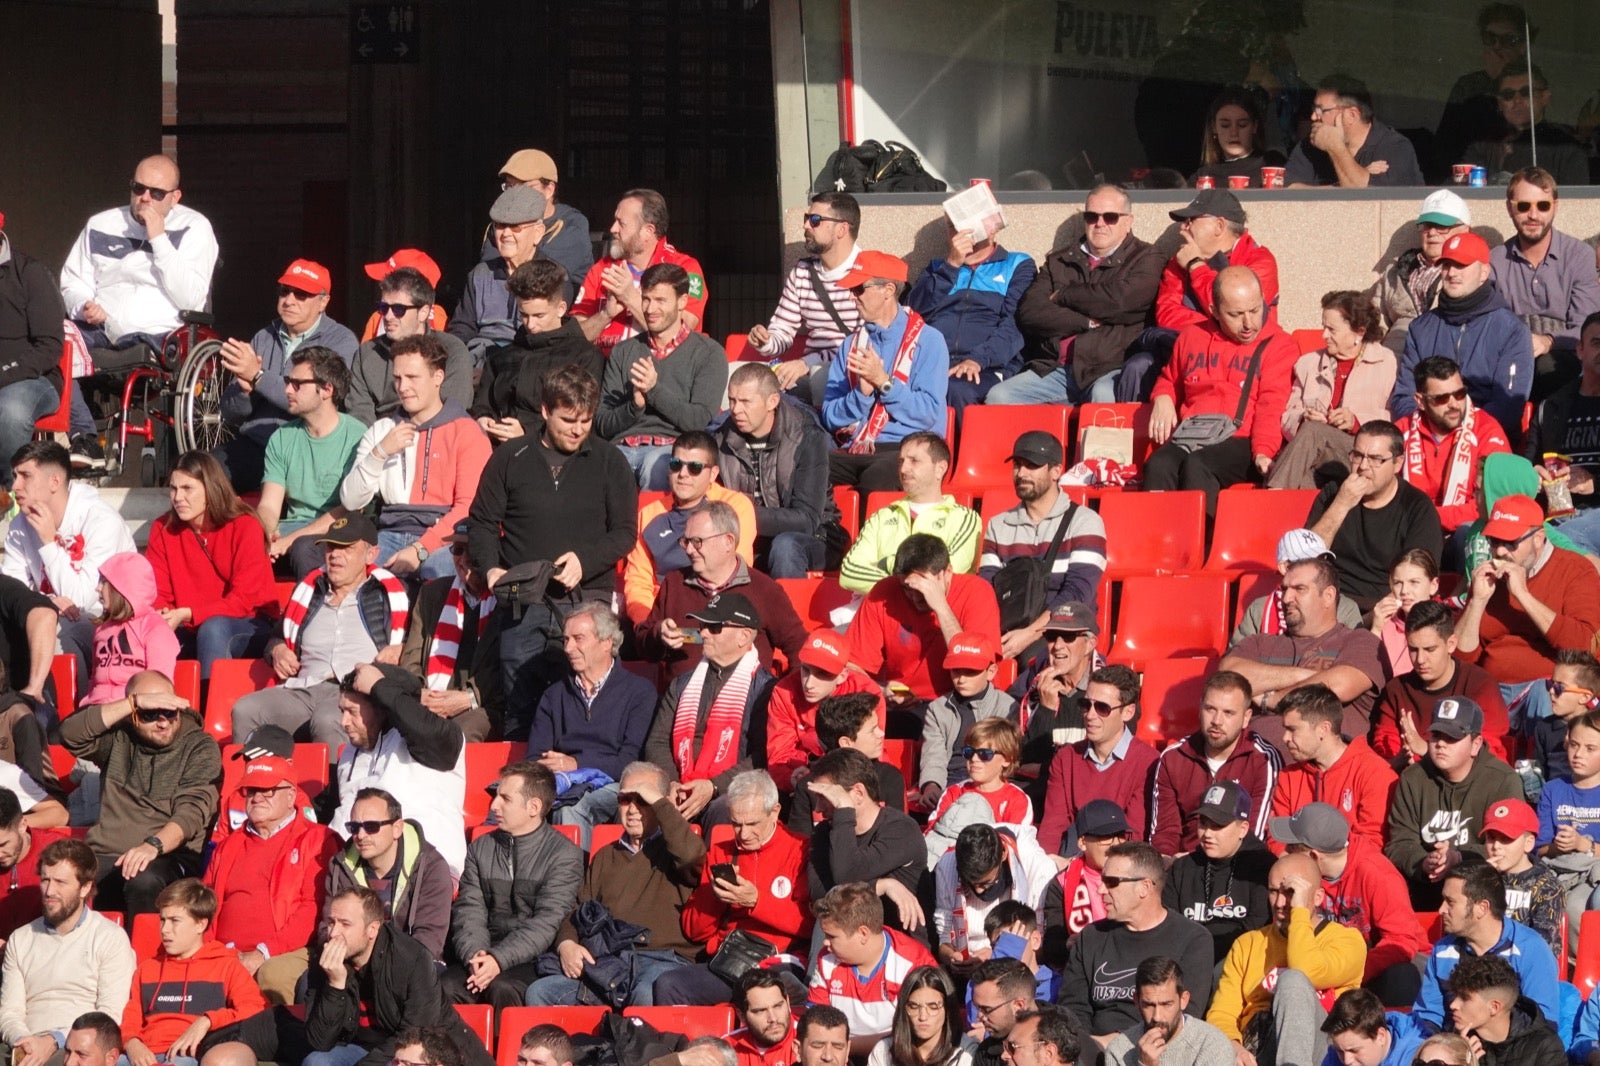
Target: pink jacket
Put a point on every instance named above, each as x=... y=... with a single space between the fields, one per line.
x=143 y=642
x=1366 y=392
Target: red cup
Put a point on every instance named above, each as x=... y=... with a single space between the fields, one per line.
x=1461 y=173
x=1205 y=181
x=1272 y=177
x=977 y=181
x=1238 y=181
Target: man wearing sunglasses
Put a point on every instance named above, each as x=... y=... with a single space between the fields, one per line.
x=256 y=400
x=1528 y=601
x=1546 y=277
x=388 y=854
x=1508 y=147
x=158 y=793
x=691 y=482
x=405 y=309
x=1446 y=439
x=1471 y=320
x=268 y=877
x=1090 y=301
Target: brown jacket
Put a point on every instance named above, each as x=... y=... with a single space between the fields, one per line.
x=1119 y=294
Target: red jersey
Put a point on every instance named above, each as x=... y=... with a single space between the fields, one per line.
x=868 y=998
x=894 y=641
x=1010 y=804
x=592 y=295
x=784 y=1053
x=782 y=914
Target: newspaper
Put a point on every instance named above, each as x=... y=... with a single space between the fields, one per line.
x=976 y=211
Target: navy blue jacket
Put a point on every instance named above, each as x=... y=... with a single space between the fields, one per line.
x=975 y=308
x=1491 y=346
x=604 y=736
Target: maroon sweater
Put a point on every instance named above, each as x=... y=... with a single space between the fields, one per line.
x=682 y=593
x=1074 y=781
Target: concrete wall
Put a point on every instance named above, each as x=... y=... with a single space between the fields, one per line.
x=1322 y=240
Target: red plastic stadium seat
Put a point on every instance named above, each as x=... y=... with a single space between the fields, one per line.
x=479 y=1018
x=1167 y=617
x=64 y=672
x=514 y=1021
x=145 y=935
x=1118 y=415
x=1250 y=524
x=848 y=500
x=814 y=597
x=691 y=1022
x=604 y=836
x=1169 y=701
x=285 y=590
x=570 y=832
x=1309 y=340
x=1153 y=532
x=1006 y=675
x=116 y=918
x=310 y=763
x=186 y=680
x=230 y=679
x=59 y=420
x=62 y=761
x=1586 y=974
x=904 y=755
x=1253 y=585
x=484 y=761
x=987 y=434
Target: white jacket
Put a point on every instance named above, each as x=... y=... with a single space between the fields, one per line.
x=958 y=916
x=91 y=532
x=141 y=283
x=434 y=799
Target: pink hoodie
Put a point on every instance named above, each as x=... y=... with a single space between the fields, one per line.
x=143 y=642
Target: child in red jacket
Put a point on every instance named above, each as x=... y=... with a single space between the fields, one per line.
x=191 y=987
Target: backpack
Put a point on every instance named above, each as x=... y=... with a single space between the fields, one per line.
x=872 y=166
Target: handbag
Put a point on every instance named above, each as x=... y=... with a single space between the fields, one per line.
x=1023 y=585
x=1202 y=431
x=738 y=954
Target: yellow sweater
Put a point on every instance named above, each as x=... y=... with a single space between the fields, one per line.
x=1330 y=955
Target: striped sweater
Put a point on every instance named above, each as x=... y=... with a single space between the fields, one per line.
x=800 y=308
x=1079 y=563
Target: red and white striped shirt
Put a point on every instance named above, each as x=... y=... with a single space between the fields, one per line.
x=868 y=998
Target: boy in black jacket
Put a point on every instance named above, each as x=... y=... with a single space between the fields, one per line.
x=1222 y=884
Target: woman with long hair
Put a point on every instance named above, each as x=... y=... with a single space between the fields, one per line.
x=1234 y=140
x=927 y=1029
x=214 y=581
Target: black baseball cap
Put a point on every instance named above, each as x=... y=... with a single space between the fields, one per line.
x=1211 y=203
x=1224 y=803
x=728 y=609
x=1457 y=717
x=349 y=529
x=1037 y=447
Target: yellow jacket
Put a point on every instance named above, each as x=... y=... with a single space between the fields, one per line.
x=871 y=557
x=1330 y=955
x=640 y=582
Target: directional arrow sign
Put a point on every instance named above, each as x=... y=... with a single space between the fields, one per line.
x=385 y=33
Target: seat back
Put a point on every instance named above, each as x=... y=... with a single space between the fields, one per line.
x=814 y=597
x=691 y=1022
x=1586 y=972
x=848 y=501
x=231 y=679
x=1169 y=699
x=484 y=762
x=1167 y=617
x=64 y=675
x=1249 y=525
x=515 y=1021
x=186 y=680
x=1153 y=532
x=480 y=1019
x=987 y=434
x=1134 y=416
x=59 y=420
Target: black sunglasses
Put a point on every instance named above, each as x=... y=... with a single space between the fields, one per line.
x=1110 y=218
x=1524 y=206
x=1520 y=92
x=256 y=793
x=139 y=189
x=399 y=310
x=298 y=294
x=369 y=827
x=1114 y=882
x=1101 y=707
x=1439 y=399
x=161 y=714
x=816 y=220
x=695 y=466
x=985 y=754
x=1502 y=40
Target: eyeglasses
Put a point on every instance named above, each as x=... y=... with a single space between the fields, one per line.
x=1439 y=399
x=1118 y=882
x=1561 y=688
x=698 y=542
x=1012 y=1046
x=258 y=793
x=296 y=383
x=1496 y=542
x=1521 y=92
x=1500 y=40
x=1524 y=206
x=397 y=310
x=1357 y=458
x=139 y=189
x=1101 y=707
x=857 y=290
x=1110 y=218
x=983 y=754
x=370 y=828
x=514 y=227
x=297 y=294
x=695 y=467
x=162 y=714
x=816 y=220
x=1318 y=111
x=985 y=1011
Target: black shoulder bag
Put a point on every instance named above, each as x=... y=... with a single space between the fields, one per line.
x=1023 y=585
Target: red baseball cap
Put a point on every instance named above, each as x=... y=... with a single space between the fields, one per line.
x=825 y=650
x=1513 y=516
x=414 y=258
x=970 y=651
x=874 y=265
x=269 y=771
x=1464 y=248
x=307 y=276
x=1510 y=818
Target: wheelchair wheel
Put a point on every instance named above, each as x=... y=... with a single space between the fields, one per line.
x=197 y=409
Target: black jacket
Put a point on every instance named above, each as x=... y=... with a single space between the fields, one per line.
x=403 y=986
x=1547 y=431
x=1227 y=896
x=31 y=314
x=521 y=514
x=1120 y=294
x=788 y=481
x=515 y=893
x=513 y=374
x=1531 y=1042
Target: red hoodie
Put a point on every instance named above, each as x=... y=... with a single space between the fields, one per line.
x=1371 y=897
x=1359 y=783
x=792 y=723
x=782 y=914
x=1185 y=296
x=1207 y=372
x=168 y=994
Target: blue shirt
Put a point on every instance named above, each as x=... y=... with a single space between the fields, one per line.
x=1563 y=803
x=1403 y=1043
x=1523 y=948
x=917 y=403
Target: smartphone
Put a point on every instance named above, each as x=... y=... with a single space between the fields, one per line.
x=691 y=636
x=725 y=871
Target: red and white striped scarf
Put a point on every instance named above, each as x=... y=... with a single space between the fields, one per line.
x=719 y=748
x=294 y=615
x=1458 y=472
x=1272 y=621
x=865 y=442
x=446 y=643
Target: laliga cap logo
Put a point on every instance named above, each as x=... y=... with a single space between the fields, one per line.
x=1447 y=710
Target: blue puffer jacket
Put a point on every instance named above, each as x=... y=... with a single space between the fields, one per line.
x=1492 y=347
x=975 y=308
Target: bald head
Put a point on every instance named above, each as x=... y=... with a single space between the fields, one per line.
x=161 y=171
x=1294 y=881
x=151 y=681
x=1240 y=308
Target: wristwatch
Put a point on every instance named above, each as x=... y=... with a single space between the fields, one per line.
x=155 y=842
x=883 y=390
x=422 y=553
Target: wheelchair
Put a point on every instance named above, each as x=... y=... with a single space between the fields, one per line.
x=171 y=400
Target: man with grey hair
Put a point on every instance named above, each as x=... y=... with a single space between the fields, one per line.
x=593 y=719
x=487 y=315
x=711 y=541
x=753 y=881
x=1089 y=303
x=645 y=878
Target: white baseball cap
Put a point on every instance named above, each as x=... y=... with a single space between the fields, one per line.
x=1298 y=545
x=1445 y=208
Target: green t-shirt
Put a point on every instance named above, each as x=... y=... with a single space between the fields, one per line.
x=309 y=468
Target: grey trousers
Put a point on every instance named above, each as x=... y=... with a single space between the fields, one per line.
x=1294 y=1035
x=316 y=706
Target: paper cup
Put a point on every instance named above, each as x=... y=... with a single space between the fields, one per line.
x=1272 y=177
